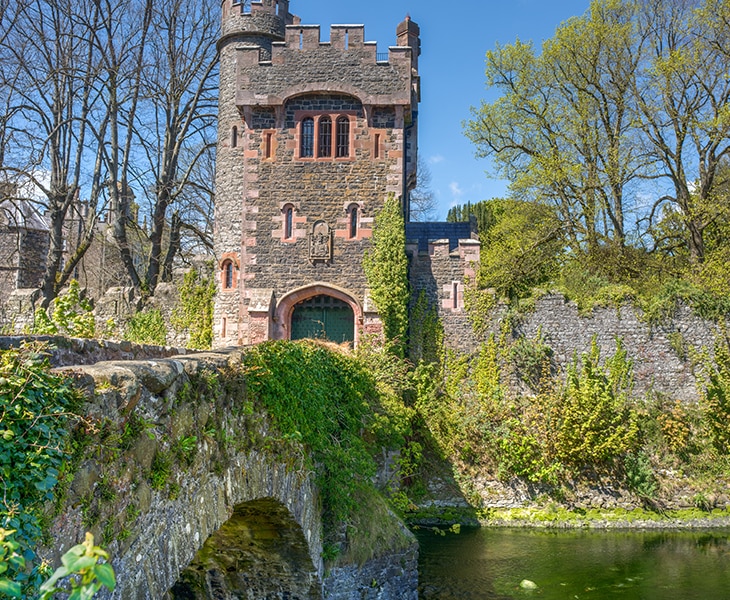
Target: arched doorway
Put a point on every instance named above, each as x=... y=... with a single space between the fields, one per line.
x=323 y=317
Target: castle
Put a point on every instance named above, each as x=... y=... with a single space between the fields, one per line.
x=313 y=137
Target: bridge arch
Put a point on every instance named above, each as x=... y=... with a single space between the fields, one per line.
x=260 y=552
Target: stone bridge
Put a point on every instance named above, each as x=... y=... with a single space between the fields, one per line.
x=179 y=478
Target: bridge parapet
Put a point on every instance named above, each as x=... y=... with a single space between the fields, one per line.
x=172 y=451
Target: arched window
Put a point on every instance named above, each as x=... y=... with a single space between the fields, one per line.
x=353 y=221
x=228 y=275
x=325 y=137
x=289 y=222
x=343 y=137
x=307 y=138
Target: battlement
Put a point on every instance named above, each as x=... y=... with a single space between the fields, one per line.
x=343 y=38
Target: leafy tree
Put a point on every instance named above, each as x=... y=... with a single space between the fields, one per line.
x=561 y=131
x=194 y=312
x=682 y=92
x=521 y=249
x=386 y=269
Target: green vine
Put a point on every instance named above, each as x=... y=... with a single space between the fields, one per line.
x=36 y=411
x=147 y=327
x=72 y=315
x=386 y=269
x=194 y=313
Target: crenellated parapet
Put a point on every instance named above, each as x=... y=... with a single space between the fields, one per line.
x=347 y=64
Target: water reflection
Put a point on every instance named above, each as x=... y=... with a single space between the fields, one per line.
x=490 y=564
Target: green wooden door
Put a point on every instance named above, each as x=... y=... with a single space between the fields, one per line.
x=323 y=317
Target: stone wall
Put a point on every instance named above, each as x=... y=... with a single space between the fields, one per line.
x=65 y=352
x=655 y=350
x=441 y=271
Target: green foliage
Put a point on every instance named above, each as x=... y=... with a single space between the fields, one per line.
x=716 y=393
x=386 y=269
x=426 y=333
x=639 y=475
x=35 y=416
x=521 y=249
x=71 y=315
x=147 y=327
x=479 y=305
x=531 y=360
x=82 y=571
x=194 y=313
x=10 y=560
x=598 y=424
x=483 y=212
x=322 y=398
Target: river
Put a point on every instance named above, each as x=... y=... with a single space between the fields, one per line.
x=491 y=564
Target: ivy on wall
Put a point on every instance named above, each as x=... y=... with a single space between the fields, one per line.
x=194 y=312
x=36 y=411
x=386 y=269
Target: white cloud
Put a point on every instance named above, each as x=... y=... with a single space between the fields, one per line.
x=434 y=160
x=456 y=190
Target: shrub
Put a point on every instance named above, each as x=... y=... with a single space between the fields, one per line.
x=147 y=327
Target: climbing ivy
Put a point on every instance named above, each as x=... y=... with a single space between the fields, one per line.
x=386 y=269
x=321 y=398
x=194 y=313
x=147 y=327
x=36 y=410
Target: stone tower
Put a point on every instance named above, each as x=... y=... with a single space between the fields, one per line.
x=313 y=136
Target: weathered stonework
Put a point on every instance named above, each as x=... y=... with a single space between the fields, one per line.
x=233 y=516
x=276 y=73
x=657 y=364
x=441 y=267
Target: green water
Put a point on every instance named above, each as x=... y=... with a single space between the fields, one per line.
x=491 y=563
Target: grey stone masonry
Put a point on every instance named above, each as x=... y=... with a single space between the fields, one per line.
x=313 y=137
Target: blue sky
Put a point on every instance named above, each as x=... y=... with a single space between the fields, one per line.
x=454 y=37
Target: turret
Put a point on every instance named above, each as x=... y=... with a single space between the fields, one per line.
x=408 y=33
x=255 y=22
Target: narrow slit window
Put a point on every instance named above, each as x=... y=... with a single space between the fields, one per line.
x=347 y=39
x=228 y=275
x=234 y=137
x=325 y=137
x=455 y=294
x=307 y=142
x=301 y=40
x=289 y=223
x=343 y=137
x=224 y=327
x=353 y=221
x=268 y=145
x=277 y=7
x=376 y=146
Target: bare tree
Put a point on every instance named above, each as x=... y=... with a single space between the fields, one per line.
x=48 y=132
x=174 y=126
x=422 y=198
